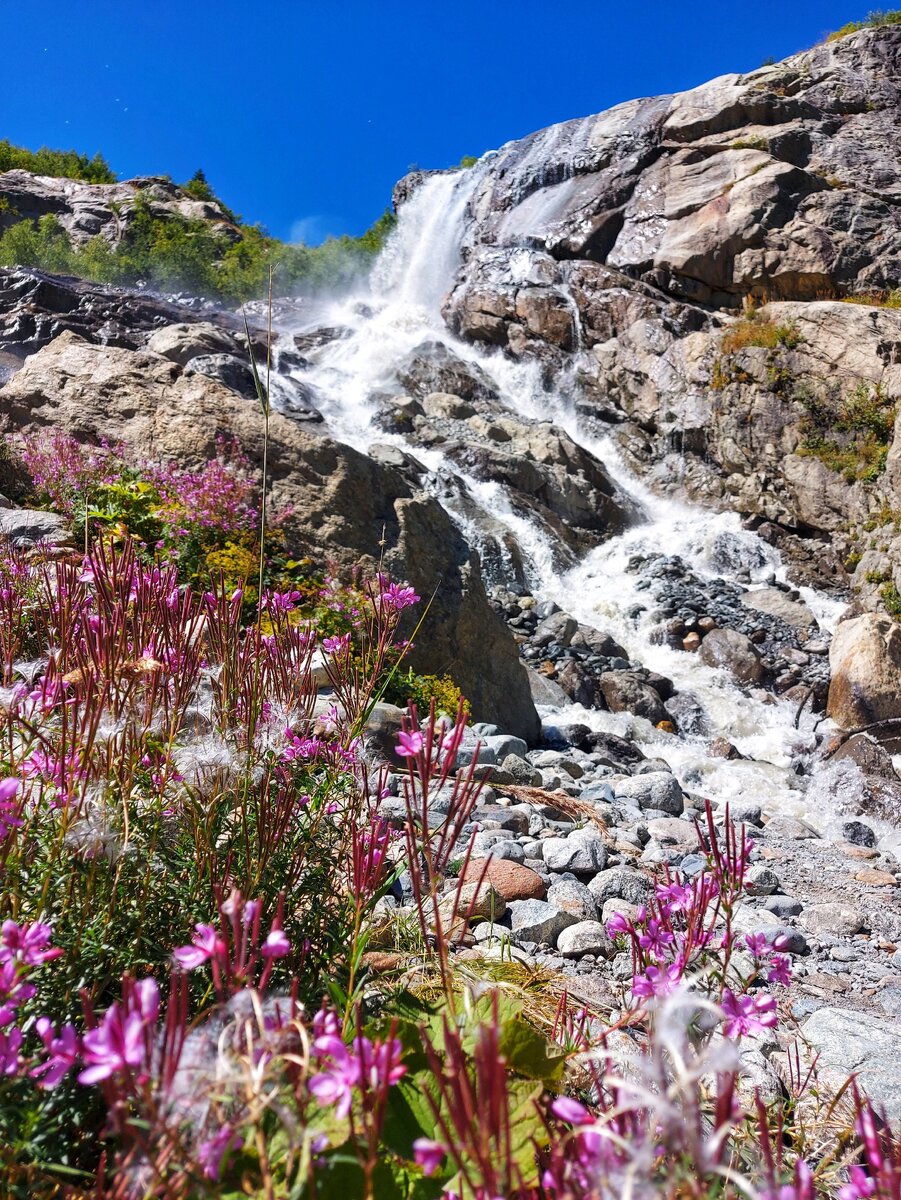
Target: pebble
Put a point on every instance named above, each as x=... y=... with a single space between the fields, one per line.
x=858 y=834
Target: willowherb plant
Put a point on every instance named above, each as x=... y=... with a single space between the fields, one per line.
x=196 y=862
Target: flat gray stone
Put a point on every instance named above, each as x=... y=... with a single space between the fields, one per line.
x=577 y=852
x=574 y=897
x=833 y=917
x=27 y=526
x=508 y=850
x=538 y=921
x=622 y=883
x=856 y=1042
x=504 y=743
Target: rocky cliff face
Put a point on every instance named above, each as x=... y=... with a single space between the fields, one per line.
x=85 y=210
x=624 y=246
x=678 y=267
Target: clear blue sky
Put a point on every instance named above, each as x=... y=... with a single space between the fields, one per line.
x=304 y=114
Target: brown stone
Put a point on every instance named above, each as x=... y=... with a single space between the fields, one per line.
x=510 y=880
x=874 y=878
x=691 y=642
x=380 y=962
x=721 y=748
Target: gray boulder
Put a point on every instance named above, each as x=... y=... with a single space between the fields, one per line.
x=587 y=937
x=538 y=921
x=231 y=371
x=186 y=341
x=575 y=898
x=28 y=526
x=578 y=852
x=858 y=1043
x=655 y=789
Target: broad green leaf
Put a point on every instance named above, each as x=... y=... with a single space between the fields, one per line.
x=529 y=1053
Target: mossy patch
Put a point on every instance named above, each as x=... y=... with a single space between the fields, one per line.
x=850 y=434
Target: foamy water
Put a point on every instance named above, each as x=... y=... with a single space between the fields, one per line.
x=400 y=309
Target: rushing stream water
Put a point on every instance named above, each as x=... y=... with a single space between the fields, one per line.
x=397 y=311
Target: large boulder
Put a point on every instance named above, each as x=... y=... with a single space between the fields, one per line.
x=733 y=650
x=865 y=660
x=185 y=340
x=342 y=503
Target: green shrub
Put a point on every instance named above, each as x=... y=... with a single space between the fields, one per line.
x=174 y=252
x=891 y=598
x=878 y=299
x=757 y=331
x=64 y=164
x=873 y=20
x=850 y=435
x=408 y=687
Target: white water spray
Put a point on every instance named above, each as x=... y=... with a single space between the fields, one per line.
x=400 y=310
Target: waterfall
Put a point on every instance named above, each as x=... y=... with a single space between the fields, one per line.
x=398 y=310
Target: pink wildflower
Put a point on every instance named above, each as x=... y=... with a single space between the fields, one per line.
x=398 y=598
x=747 y=1014
x=655 y=938
x=276 y=945
x=212 y=1152
x=10 y=1044
x=780 y=970
x=117 y=1044
x=618 y=924
x=206 y=944
x=859 y=1186
x=409 y=744
x=674 y=897
x=429 y=1154
x=9 y=807
x=62 y=1052
x=26 y=944
x=657 y=981
x=337 y=646
x=571 y=1111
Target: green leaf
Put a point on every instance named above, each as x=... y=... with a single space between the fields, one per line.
x=529 y=1053
x=408 y=1115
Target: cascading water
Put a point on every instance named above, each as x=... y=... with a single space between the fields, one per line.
x=398 y=311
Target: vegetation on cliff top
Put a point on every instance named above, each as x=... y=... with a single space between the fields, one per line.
x=226 y=260
x=65 y=164
x=873 y=20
